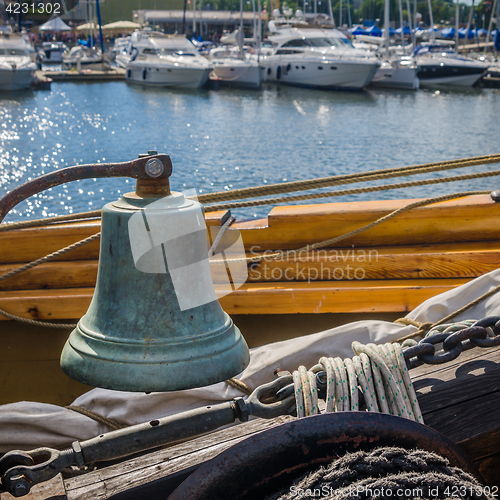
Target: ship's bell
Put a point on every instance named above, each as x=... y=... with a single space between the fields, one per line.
x=154 y=323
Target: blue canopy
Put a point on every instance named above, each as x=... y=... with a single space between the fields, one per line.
x=497 y=39
x=448 y=32
x=463 y=31
x=482 y=32
x=406 y=31
x=358 y=31
x=391 y=31
x=374 y=31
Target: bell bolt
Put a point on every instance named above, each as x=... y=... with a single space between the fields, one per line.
x=154 y=168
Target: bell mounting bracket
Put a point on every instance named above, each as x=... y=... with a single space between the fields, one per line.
x=152 y=172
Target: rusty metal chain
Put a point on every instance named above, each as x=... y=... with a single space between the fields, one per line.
x=453 y=343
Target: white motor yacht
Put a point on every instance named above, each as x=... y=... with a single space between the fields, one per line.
x=166 y=61
x=80 y=55
x=233 y=66
x=52 y=52
x=313 y=57
x=397 y=73
x=16 y=68
x=439 y=64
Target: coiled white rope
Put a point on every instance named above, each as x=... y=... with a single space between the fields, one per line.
x=379 y=371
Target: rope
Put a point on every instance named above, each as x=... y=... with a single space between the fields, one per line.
x=345 y=192
x=238 y=384
x=355 y=232
x=336 y=180
x=111 y=423
x=385 y=472
x=50 y=256
x=288 y=187
x=379 y=371
x=220 y=234
x=428 y=327
x=35 y=263
x=49 y=220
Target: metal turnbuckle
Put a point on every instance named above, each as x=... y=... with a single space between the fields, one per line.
x=20 y=470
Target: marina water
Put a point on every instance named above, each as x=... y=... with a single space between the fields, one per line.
x=228 y=138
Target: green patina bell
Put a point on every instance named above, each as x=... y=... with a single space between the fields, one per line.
x=154 y=323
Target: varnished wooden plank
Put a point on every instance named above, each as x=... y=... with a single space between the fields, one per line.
x=262 y=298
x=373 y=264
x=26 y=245
x=334 y=297
x=466 y=219
x=53 y=275
x=467 y=260
x=47 y=304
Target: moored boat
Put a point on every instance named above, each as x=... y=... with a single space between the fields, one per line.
x=319 y=58
x=17 y=71
x=166 y=61
x=438 y=65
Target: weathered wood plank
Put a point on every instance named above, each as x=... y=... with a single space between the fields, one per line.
x=163 y=469
x=175 y=462
x=260 y=298
x=53 y=489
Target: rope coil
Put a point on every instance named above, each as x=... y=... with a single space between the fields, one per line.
x=380 y=372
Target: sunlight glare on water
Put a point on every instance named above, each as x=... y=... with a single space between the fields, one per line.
x=226 y=139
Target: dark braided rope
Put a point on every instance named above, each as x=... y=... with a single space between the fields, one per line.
x=385 y=473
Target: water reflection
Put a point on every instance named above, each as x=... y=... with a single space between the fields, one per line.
x=230 y=138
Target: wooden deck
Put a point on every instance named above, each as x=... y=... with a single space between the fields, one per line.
x=460 y=399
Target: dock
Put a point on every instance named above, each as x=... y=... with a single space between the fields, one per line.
x=85 y=75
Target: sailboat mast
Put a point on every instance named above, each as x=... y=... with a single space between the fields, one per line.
x=194 y=18
x=330 y=11
x=401 y=23
x=91 y=25
x=340 y=14
x=412 y=35
x=241 y=28
x=259 y=30
x=433 y=35
x=457 y=24
x=386 y=26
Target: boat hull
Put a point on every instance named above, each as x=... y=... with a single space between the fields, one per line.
x=396 y=77
x=243 y=75
x=16 y=79
x=458 y=76
x=319 y=73
x=167 y=76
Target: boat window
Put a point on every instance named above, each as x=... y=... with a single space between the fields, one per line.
x=299 y=42
x=175 y=52
x=13 y=52
x=149 y=51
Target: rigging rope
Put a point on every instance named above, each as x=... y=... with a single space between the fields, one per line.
x=288 y=187
x=344 y=192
